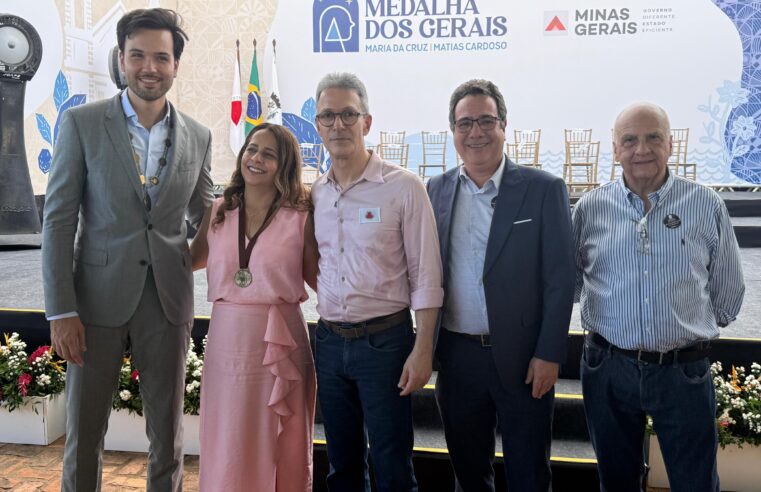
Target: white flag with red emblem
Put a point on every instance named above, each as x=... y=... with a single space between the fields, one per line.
x=237 y=122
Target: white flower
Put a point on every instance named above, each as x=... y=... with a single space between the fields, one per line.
x=733 y=93
x=192 y=387
x=43 y=379
x=197 y=373
x=17 y=344
x=125 y=395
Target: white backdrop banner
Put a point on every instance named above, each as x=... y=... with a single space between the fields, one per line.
x=560 y=64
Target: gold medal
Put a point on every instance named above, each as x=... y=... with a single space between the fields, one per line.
x=242 y=277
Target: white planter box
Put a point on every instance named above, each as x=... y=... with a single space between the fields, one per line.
x=739 y=469
x=126 y=432
x=41 y=420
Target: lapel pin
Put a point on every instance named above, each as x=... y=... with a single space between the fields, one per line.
x=672 y=221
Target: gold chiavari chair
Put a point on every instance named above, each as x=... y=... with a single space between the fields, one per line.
x=434 y=152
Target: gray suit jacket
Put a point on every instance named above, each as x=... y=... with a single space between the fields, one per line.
x=98 y=238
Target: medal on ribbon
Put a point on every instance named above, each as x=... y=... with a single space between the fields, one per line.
x=243 y=277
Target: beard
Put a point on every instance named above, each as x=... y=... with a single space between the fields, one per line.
x=157 y=92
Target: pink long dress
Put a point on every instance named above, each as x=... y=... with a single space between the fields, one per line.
x=258 y=387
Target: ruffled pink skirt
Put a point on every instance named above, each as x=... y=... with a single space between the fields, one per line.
x=257 y=400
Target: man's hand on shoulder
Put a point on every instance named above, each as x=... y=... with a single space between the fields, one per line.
x=67 y=336
x=543 y=375
x=417 y=371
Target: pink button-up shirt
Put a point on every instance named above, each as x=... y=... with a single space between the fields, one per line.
x=379 y=249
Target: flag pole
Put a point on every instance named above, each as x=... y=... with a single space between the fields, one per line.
x=237 y=119
x=274 y=109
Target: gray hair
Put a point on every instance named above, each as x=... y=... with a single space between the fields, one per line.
x=477 y=87
x=344 y=80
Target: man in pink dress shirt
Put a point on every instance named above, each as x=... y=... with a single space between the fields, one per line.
x=379 y=257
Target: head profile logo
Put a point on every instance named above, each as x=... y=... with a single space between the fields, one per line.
x=556 y=23
x=335 y=26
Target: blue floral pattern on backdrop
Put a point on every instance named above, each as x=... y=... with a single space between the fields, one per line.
x=302 y=126
x=739 y=102
x=62 y=102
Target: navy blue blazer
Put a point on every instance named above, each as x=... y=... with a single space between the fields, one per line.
x=529 y=271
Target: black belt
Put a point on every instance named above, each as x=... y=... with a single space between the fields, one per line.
x=369 y=327
x=691 y=353
x=483 y=340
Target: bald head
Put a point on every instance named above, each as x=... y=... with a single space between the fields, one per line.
x=639 y=110
x=642 y=144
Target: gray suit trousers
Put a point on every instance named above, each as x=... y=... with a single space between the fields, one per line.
x=158 y=352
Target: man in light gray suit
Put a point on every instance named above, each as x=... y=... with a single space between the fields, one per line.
x=116 y=264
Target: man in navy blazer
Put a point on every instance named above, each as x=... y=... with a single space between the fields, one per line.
x=506 y=245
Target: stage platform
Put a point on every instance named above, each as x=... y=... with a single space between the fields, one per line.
x=21 y=276
x=573 y=461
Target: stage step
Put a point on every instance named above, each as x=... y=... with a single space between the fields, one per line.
x=742 y=203
x=574 y=466
x=430 y=442
x=569 y=420
x=747 y=231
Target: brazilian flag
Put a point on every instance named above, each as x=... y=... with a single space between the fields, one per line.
x=254 y=102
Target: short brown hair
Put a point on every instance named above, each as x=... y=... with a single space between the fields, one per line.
x=157 y=19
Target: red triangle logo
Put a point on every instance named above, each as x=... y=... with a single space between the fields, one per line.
x=555 y=25
x=369 y=215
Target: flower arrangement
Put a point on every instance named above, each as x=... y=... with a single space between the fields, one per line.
x=22 y=376
x=193 y=372
x=127 y=395
x=738 y=404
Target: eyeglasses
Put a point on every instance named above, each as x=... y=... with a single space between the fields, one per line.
x=348 y=118
x=486 y=123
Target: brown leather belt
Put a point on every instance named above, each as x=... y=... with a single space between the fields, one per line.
x=369 y=327
x=691 y=353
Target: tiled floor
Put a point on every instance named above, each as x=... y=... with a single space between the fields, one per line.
x=25 y=468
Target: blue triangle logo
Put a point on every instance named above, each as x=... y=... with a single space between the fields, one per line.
x=333 y=34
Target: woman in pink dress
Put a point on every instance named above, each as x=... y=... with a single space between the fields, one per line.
x=258 y=388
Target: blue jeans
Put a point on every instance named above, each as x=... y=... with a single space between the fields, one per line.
x=619 y=393
x=359 y=398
